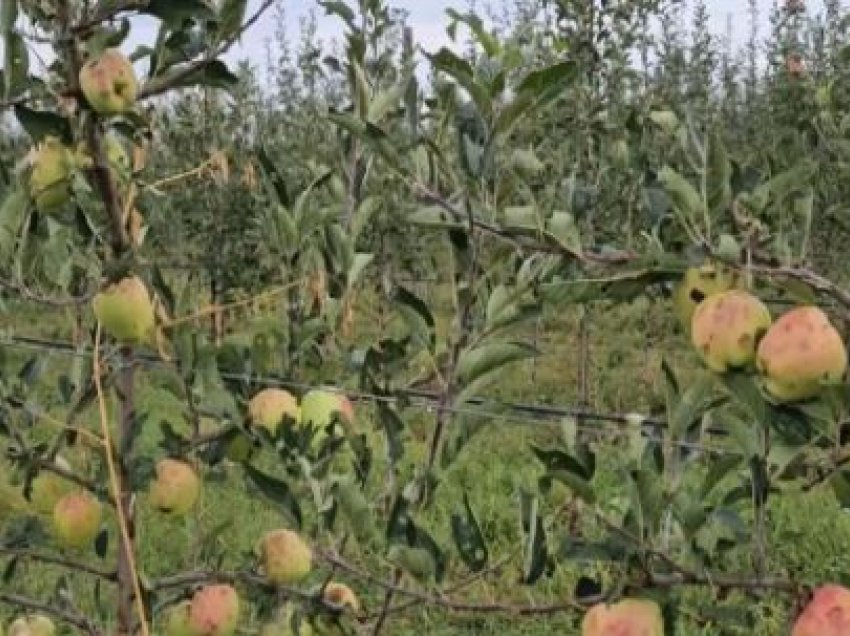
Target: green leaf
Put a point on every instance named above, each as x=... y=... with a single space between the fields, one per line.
x=569 y=471
x=562 y=226
x=417 y=315
x=12 y=215
x=487 y=40
x=175 y=11
x=341 y=10
x=231 y=14
x=718 y=176
x=461 y=71
x=276 y=491
x=476 y=363
x=213 y=73
x=547 y=83
x=535 y=551
x=41 y=124
x=745 y=390
x=17 y=62
x=417 y=562
x=468 y=537
x=687 y=202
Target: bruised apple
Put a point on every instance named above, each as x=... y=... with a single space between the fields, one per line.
x=698 y=284
x=341 y=596
x=629 y=617
x=176 y=487
x=285 y=556
x=125 y=310
x=726 y=328
x=800 y=354
x=109 y=83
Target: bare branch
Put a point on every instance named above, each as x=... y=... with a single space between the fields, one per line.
x=77 y=566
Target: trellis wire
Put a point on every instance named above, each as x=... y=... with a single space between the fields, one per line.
x=519 y=413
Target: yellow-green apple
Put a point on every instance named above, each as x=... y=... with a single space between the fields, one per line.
x=268 y=408
x=125 y=311
x=76 y=519
x=629 y=617
x=726 y=328
x=177 y=620
x=827 y=614
x=109 y=83
x=801 y=354
x=285 y=556
x=698 y=284
x=53 y=167
x=47 y=488
x=214 y=611
x=176 y=487
x=33 y=625
x=318 y=408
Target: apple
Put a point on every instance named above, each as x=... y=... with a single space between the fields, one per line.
x=176 y=487
x=177 y=620
x=48 y=488
x=629 y=617
x=318 y=408
x=726 y=328
x=827 y=614
x=341 y=596
x=33 y=625
x=800 y=354
x=268 y=408
x=214 y=611
x=285 y=556
x=76 y=519
x=53 y=166
x=698 y=284
x=125 y=311
x=109 y=83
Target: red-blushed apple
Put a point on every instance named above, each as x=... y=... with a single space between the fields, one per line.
x=827 y=614
x=214 y=611
x=76 y=519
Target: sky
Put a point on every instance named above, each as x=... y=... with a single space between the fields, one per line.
x=427 y=17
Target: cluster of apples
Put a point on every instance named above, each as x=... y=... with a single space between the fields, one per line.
x=110 y=87
x=271 y=407
x=285 y=559
x=797 y=356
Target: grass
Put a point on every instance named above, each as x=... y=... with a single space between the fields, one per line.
x=809 y=536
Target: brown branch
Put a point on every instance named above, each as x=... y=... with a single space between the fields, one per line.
x=26 y=294
x=64 y=615
x=18 y=553
x=810 y=278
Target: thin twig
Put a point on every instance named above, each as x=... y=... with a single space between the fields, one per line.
x=77 y=566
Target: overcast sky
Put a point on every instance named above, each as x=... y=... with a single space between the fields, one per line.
x=428 y=20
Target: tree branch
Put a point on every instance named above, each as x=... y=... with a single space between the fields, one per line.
x=77 y=566
x=33 y=605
